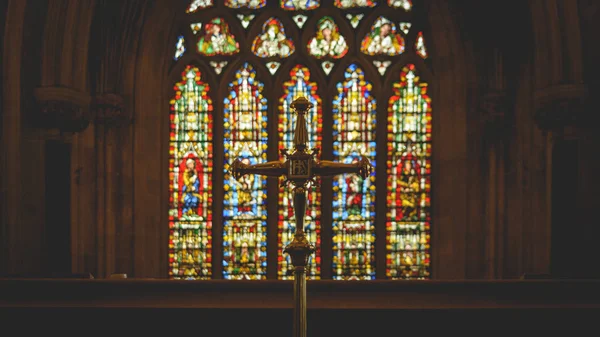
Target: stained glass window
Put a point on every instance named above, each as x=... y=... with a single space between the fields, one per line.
x=217 y=40
x=294 y=5
x=245 y=46
x=409 y=180
x=273 y=41
x=299 y=85
x=244 y=204
x=354 y=118
x=328 y=41
x=346 y=4
x=190 y=178
x=198 y=4
x=383 y=39
x=252 y=4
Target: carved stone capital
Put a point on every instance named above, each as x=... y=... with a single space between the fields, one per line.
x=61 y=108
x=561 y=106
x=108 y=110
x=494 y=116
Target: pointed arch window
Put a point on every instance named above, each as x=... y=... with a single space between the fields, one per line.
x=238 y=65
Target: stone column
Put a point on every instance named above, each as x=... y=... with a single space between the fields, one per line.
x=109 y=119
x=496 y=129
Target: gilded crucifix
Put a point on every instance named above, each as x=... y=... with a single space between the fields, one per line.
x=300 y=170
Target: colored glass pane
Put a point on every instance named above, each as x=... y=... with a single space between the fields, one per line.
x=190 y=178
x=328 y=40
x=405 y=27
x=299 y=85
x=383 y=39
x=327 y=66
x=273 y=66
x=420 y=46
x=244 y=204
x=217 y=40
x=179 y=48
x=198 y=4
x=252 y=4
x=354 y=119
x=346 y=4
x=245 y=19
x=218 y=66
x=294 y=5
x=409 y=178
x=354 y=19
x=272 y=41
x=300 y=20
x=196 y=27
x=404 y=4
x=382 y=66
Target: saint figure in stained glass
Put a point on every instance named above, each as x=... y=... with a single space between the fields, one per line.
x=272 y=41
x=354 y=3
x=383 y=39
x=409 y=182
x=190 y=184
x=253 y=4
x=293 y=5
x=328 y=41
x=217 y=40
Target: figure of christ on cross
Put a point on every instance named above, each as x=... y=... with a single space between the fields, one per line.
x=300 y=169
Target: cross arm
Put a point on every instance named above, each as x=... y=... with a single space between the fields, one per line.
x=327 y=168
x=271 y=168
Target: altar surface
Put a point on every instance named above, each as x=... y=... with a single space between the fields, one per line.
x=334 y=308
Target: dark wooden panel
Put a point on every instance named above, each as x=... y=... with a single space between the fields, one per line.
x=326 y=294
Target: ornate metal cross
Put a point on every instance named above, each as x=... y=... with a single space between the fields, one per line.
x=300 y=170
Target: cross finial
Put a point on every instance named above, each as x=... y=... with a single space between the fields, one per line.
x=301 y=106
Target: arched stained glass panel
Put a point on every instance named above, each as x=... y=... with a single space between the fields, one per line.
x=354 y=117
x=190 y=178
x=244 y=204
x=409 y=180
x=299 y=85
